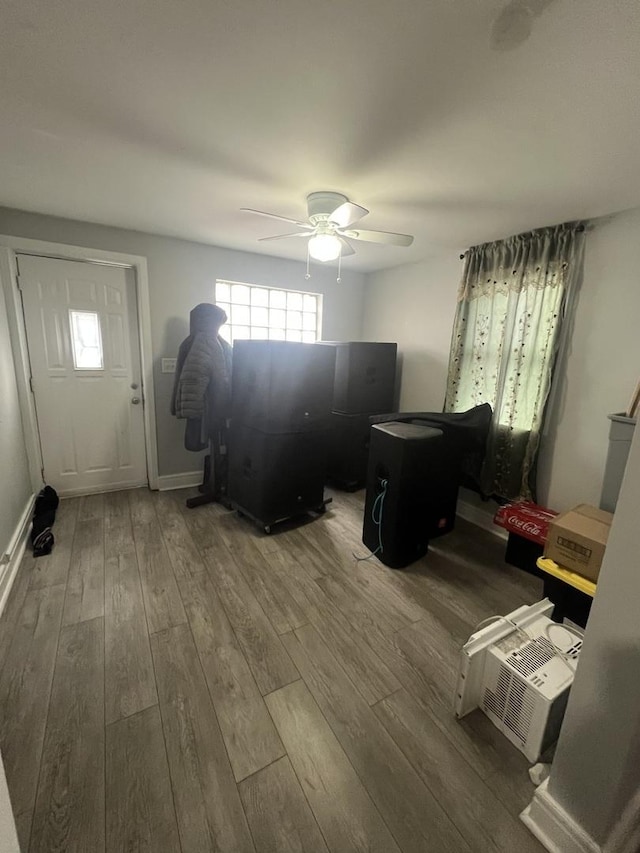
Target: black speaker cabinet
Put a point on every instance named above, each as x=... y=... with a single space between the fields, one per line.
x=275 y=476
x=365 y=377
x=282 y=386
x=410 y=459
x=348 y=450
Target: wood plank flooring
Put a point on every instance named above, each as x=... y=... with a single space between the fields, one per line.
x=174 y=680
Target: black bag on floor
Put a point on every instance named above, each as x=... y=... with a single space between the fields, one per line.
x=44 y=514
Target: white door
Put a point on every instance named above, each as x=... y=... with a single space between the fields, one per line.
x=82 y=333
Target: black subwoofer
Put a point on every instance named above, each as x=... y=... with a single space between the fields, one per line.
x=365 y=376
x=275 y=476
x=348 y=450
x=411 y=460
x=282 y=386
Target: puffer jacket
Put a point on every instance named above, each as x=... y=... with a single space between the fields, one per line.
x=202 y=387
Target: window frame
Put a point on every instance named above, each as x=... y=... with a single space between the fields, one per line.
x=74 y=343
x=253 y=286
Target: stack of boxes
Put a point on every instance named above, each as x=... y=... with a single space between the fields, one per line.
x=565 y=550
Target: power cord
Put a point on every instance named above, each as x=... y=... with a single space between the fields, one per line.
x=376 y=517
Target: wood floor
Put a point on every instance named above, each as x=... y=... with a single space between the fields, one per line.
x=174 y=680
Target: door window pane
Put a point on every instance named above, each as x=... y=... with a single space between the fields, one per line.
x=86 y=340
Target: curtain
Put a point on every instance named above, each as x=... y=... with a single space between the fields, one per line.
x=505 y=338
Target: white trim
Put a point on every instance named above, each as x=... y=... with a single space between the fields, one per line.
x=481 y=519
x=9 y=246
x=187 y=480
x=101 y=490
x=14 y=553
x=554 y=828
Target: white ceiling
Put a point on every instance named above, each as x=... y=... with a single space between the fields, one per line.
x=169 y=115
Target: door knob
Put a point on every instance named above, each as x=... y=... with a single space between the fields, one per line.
x=135 y=400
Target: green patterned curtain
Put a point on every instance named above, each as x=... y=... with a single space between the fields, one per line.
x=505 y=338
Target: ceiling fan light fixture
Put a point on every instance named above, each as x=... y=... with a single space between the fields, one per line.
x=324 y=247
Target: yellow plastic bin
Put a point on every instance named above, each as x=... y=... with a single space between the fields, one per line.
x=571 y=594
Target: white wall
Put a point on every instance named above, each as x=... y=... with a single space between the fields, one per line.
x=602 y=367
x=595 y=776
x=182 y=274
x=15 y=485
x=415 y=305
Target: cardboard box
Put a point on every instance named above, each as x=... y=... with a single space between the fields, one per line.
x=577 y=539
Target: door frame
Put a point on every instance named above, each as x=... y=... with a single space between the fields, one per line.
x=11 y=246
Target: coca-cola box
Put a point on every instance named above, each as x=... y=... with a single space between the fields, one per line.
x=577 y=540
x=527 y=524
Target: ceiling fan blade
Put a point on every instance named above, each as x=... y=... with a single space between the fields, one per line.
x=347 y=214
x=387 y=237
x=282 y=236
x=277 y=216
x=347 y=248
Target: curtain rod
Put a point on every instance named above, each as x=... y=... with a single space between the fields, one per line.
x=579 y=230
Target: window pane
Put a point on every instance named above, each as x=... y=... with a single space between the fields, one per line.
x=225 y=307
x=241 y=333
x=240 y=314
x=259 y=296
x=294 y=320
x=86 y=340
x=294 y=335
x=309 y=322
x=309 y=337
x=260 y=333
x=240 y=294
x=294 y=301
x=259 y=316
x=277 y=317
x=276 y=334
x=278 y=299
x=223 y=292
x=309 y=303
x=226 y=333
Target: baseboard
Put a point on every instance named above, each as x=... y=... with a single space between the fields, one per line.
x=14 y=553
x=556 y=830
x=100 y=490
x=480 y=518
x=179 y=481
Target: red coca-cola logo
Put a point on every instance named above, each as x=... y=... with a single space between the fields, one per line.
x=526 y=526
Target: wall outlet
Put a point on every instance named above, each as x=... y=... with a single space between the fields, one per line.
x=169 y=365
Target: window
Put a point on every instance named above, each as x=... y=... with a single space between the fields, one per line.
x=86 y=340
x=266 y=313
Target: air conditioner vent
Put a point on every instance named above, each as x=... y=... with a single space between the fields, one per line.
x=532 y=656
x=496 y=701
x=520 y=708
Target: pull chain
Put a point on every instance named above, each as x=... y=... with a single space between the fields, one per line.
x=308 y=275
x=339 y=279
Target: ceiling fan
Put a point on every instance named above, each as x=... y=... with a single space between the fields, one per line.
x=331 y=217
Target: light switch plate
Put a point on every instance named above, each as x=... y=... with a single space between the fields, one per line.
x=169 y=365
